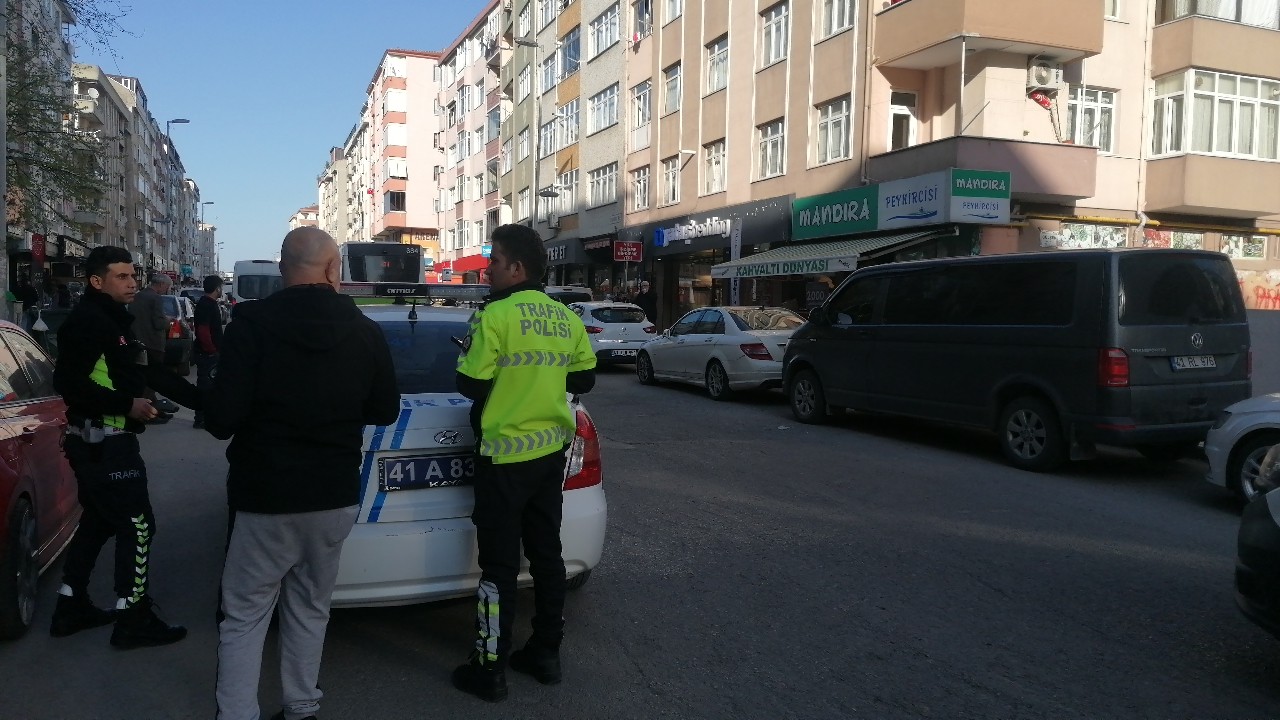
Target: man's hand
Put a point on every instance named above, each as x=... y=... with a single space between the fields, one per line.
x=143 y=410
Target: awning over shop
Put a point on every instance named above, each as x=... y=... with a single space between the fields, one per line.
x=470 y=262
x=812 y=259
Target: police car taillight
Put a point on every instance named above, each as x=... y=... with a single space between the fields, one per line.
x=584 y=456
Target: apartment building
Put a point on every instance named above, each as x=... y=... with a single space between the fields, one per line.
x=359 y=196
x=103 y=112
x=333 y=205
x=305 y=217
x=471 y=107
x=155 y=169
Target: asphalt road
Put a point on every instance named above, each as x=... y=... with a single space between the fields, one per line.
x=758 y=568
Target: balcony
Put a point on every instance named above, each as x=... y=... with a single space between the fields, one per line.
x=89 y=109
x=496 y=53
x=1039 y=172
x=926 y=34
x=1201 y=42
x=1219 y=186
x=90 y=218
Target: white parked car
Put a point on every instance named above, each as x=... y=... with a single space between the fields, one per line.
x=722 y=348
x=1238 y=441
x=616 y=330
x=413 y=540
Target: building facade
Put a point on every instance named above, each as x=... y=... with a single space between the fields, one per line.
x=333 y=204
x=305 y=217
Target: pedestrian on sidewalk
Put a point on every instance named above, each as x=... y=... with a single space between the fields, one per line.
x=151 y=326
x=524 y=428
x=300 y=374
x=98 y=374
x=208 y=321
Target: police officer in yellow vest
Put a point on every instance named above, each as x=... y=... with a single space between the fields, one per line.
x=98 y=376
x=523 y=352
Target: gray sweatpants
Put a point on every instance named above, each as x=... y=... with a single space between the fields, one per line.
x=292 y=558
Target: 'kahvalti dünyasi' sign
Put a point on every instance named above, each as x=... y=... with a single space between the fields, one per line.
x=955 y=195
x=818 y=266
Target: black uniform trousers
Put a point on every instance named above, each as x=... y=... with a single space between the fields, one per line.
x=112 y=483
x=206 y=371
x=519 y=502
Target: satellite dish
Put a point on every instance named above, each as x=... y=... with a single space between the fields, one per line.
x=93 y=93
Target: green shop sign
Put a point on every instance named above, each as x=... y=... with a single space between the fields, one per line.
x=843 y=212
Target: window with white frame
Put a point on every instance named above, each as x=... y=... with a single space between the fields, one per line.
x=547 y=12
x=569 y=123
x=566 y=202
x=718 y=64
x=713 y=169
x=464 y=233
x=773 y=146
x=523 y=24
x=604 y=185
x=774 y=34
x=671 y=180
x=1245 y=247
x=673 y=8
x=641 y=18
x=452 y=157
x=548 y=74
x=522 y=204
x=902 y=119
x=1259 y=13
x=493 y=124
x=522 y=144
x=464 y=144
x=523 y=83
x=398 y=167
x=1215 y=113
x=547 y=138
x=506 y=157
x=640 y=188
x=837 y=15
x=1112 y=8
x=833 y=131
x=477 y=237
x=641 y=104
x=603 y=31
x=478 y=186
x=1091 y=117
x=604 y=109
x=570 y=52
x=671 y=89
x=397 y=134
x=464 y=99
x=395 y=100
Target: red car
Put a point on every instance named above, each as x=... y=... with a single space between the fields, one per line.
x=39 y=509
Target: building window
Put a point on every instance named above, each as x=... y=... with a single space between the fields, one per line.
x=394 y=201
x=671 y=91
x=837 y=15
x=522 y=204
x=547 y=12
x=671 y=180
x=547 y=138
x=718 y=64
x=464 y=233
x=523 y=83
x=522 y=144
x=464 y=144
x=1217 y=113
x=674 y=8
x=640 y=188
x=773 y=34
x=604 y=109
x=570 y=52
x=493 y=124
x=1091 y=118
x=641 y=105
x=506 y=157
x=478 y=238
x=713 y=155
x=604 y=185
x=523 y=26
x=833 y=131
x=569 y=123
x=1245 y=247
x=604 y=30
x=398 y=168
x=567 y=185
x=548 y=74
x=902 y=119
x=1113 y=9
x=642 y=18
x=773 y=146
x=1260 y=13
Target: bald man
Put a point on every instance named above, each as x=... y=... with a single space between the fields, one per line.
x=301 y=372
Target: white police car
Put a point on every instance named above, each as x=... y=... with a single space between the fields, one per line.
x=413 y=540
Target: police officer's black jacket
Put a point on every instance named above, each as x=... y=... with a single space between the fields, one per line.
x=99 y=327
x=301 y=372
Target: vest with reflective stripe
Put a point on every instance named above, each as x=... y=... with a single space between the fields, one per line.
x=103 y=378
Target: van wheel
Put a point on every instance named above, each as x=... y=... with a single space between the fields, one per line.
x=644 y=369
x=1030 y=435
x=1245 y=464
x=808 y=401
x=718 y=381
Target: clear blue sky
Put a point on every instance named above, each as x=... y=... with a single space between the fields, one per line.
x=269 y=87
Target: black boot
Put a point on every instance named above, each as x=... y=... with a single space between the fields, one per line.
x=139 y=626
x=485 y=682
x=77 y=612
x=542 y=662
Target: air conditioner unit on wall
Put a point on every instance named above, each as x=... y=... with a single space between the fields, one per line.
x=1044 y=75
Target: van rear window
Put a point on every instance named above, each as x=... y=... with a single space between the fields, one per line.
x=1015 y=293
x=1177 y=289
x=256 y=287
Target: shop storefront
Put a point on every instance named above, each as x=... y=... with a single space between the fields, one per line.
x=467 y=269
x=678 y=253
x=567 y=262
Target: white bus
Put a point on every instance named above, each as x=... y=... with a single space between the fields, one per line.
x=255 y=279
x=381 y=262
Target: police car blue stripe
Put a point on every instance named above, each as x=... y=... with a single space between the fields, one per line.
x=374 y=446
x=397 y=438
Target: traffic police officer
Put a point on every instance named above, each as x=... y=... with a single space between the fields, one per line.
x=523 y=352
x=98 y=376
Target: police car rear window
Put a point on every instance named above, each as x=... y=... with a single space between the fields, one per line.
x=425 y=358
x=618 y=315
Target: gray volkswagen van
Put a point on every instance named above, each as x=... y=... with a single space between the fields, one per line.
x=1056 y=352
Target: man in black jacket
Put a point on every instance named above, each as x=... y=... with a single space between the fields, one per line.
x=98 y=375
x=300 y=373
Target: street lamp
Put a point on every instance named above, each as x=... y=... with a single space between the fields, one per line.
x=175 y=121
x=206 y=202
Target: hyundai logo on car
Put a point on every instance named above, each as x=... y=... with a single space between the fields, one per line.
x=447 y=437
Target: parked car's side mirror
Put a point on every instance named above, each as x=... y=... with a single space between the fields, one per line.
x=818 y=316
x=666 y=333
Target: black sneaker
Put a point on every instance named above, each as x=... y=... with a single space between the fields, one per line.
x=540 y=662
x=139 y=626
x=487 y=683
x=77 y=612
